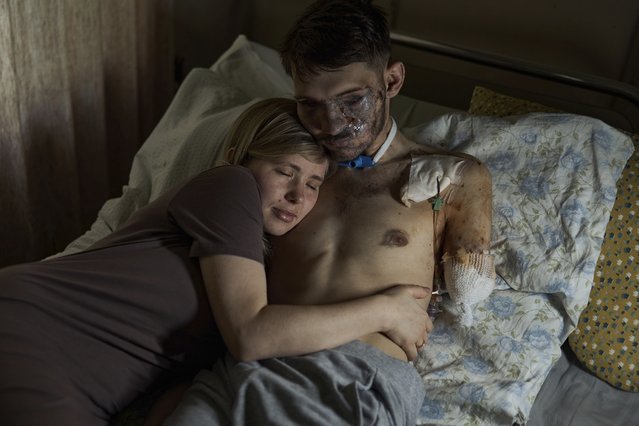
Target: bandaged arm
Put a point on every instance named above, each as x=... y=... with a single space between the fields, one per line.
x=469 y=270
x=466 y=191
x=469 y=278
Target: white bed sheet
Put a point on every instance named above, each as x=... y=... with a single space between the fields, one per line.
x=554 y=184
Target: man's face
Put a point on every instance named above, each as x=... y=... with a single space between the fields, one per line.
x=345 y=110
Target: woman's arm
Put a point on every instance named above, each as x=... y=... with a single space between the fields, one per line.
x=252 y=329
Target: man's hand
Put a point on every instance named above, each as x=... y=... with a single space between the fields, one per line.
x=409 y=321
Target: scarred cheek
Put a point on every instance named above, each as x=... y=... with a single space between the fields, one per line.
x=356 y=125
x=359 y=116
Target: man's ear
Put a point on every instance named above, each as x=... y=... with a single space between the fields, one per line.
x=394 y=78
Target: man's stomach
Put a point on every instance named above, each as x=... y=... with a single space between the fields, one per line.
x=309 y=288
x=385 y=345
x=338 y=264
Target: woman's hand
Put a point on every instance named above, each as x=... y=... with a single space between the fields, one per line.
x=409 y=323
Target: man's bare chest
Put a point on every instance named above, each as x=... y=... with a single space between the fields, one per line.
x=360 y=237
x=360 y=214
x=357 y=189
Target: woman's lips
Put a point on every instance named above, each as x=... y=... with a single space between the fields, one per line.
x=284 y=215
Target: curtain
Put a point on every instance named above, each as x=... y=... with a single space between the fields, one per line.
x=82 y=84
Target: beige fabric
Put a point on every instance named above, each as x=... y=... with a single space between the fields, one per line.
x=424 y=172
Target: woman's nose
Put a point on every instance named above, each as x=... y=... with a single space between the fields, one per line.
x=295 y=194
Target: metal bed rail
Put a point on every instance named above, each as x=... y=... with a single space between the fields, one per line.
x=586 y=81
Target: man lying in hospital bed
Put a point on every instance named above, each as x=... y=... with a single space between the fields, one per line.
x=552 y=192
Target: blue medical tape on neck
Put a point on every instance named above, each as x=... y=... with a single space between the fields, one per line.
x=360 y=162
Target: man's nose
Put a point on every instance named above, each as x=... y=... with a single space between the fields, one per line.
x=333 y=121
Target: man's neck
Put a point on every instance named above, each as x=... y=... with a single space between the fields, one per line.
x=382 y=143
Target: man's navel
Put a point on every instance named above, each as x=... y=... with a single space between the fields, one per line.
x=395 y=238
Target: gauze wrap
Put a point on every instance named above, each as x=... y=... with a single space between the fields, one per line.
x=469 y=278
x=424 y=172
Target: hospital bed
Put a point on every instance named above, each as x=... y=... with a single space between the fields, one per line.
x=556 y=342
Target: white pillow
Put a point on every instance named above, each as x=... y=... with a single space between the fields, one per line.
x=187 y=138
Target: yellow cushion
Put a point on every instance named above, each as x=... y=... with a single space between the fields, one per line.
x=487 y=102
x=606 y=340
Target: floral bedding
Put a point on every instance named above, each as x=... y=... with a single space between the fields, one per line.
x=554 y=184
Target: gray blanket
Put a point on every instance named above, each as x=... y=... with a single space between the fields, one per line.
x=354 y=384
x=572 y=396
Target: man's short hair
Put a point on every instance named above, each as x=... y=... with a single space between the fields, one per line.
x=334 y=33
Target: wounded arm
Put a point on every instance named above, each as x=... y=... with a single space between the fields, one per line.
x=469 y=271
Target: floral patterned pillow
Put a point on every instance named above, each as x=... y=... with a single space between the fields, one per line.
x=606 y=340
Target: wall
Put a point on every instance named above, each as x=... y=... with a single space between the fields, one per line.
x=204 y=29
x=575 y=36
x=588 y=36
x=580 y=35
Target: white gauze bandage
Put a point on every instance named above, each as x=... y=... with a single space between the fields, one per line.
x=469 y=278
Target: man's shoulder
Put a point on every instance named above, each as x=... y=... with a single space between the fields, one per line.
x=428 y=156
x=431 y=172
x=419 y=150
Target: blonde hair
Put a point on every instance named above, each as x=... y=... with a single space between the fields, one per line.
x=269 y=129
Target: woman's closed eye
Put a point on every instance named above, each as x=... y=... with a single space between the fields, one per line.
x=283 y=172
x=312 y=184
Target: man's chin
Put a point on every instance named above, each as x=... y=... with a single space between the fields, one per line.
x=341 y=155
x=343 y=151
